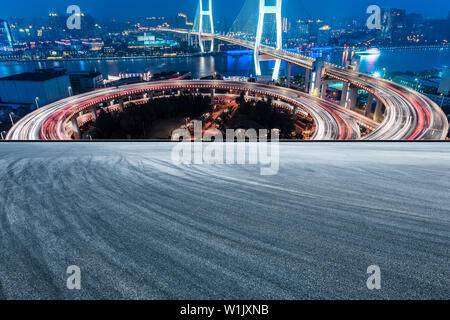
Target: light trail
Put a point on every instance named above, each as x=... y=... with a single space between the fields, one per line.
x=409 y=114
x=53 y=122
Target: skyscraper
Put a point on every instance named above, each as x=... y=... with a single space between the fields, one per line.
x=301 y=30
x=393 y=24
x=323 y=37
x=6 y=39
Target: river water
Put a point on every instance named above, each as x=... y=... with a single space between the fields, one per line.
x=240 y=63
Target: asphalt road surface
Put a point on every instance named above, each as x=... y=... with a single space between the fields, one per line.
x=139 y=226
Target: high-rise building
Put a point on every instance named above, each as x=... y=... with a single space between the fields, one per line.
x=6 y=38
x=301 y=30
x=286 y=25
x=393 y=24
x=307 y=30
x=56 y=24
x=413 y=22
x=55 y=21
x=323 y=36
x=314 y=26
x=436 y=31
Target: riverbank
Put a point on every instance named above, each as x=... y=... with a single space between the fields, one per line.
x=235 y=64
x=168 y=56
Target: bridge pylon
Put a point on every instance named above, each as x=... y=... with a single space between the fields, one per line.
x=205 y=13
x=263 y=10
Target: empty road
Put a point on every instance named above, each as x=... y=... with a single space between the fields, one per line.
x=138 y=226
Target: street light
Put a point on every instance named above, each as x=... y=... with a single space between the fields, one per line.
x=442 y=101
x=69 y=88
x=37 y=102
x=11 y=118
x=3 y=135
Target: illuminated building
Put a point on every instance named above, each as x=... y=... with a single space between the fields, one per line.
x=6 y=39
x=393 y=23
x=323 y=35
x=147 y=40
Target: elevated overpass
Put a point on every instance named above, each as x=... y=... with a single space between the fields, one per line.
x=62 y=120
x=408 y=115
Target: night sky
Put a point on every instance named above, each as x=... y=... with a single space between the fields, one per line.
x=223 y=8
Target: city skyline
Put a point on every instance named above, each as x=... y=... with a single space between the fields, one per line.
x=224 y=9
